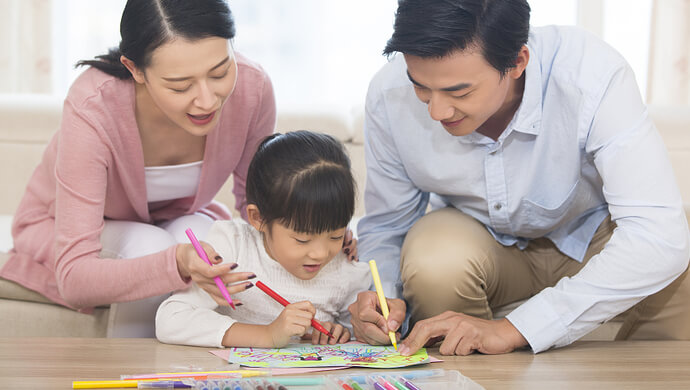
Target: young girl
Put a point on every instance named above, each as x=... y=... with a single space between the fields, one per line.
x=300 y=195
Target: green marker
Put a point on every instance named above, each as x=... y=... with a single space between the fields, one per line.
x=399 y=385
x=355 y=386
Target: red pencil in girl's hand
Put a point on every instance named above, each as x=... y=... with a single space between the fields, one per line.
x=314 y=323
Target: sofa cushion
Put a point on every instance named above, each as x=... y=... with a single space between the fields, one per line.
x=26 y=313
x=33 y=319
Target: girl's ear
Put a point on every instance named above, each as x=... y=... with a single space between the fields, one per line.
x=254 y=217
x=137 y=74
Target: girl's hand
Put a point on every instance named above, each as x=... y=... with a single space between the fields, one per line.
x=339 y=332
x=350 y=245
x=294 y=320
x=191 y=266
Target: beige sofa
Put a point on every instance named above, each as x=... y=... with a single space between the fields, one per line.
x=28 y=122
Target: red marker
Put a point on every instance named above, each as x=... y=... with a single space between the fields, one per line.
x=314 y=323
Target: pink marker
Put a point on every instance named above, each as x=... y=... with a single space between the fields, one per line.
x=202 y=254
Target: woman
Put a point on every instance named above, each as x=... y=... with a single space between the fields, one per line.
x=149 y=134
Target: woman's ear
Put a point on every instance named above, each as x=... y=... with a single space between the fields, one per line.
x=254 y=217
x=137 y=74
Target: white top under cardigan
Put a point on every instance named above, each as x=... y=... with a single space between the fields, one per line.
x=192 y=317
x=172 y=181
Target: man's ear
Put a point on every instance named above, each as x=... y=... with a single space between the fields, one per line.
x=137 y=74
x=254 y=217
x=520 y=63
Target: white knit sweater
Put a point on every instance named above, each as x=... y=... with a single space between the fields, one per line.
x=192 y=317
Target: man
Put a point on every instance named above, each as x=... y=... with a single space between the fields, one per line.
x=547 y=177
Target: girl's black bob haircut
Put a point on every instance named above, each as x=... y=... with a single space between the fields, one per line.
x=303 y=180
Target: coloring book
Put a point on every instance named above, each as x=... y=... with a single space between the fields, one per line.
x=307 y=355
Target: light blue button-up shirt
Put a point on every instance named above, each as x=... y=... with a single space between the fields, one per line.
x=581 y=146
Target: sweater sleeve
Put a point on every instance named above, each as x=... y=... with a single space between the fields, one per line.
x=83 y=278
x=189 y=317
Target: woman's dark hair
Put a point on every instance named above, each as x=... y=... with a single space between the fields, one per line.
x=303 y=180
x=435 y=28
x=148 y=24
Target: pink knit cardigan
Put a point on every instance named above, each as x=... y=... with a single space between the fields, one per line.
x=93 y=169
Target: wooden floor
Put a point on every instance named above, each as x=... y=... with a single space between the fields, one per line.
x=53 y=363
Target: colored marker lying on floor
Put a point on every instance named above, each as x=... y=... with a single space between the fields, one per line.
x=138 y=384
x=198 y=375
x=314 y=323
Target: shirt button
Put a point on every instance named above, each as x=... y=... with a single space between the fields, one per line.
x=498 y=206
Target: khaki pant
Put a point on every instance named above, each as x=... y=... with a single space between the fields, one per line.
x=449 y=261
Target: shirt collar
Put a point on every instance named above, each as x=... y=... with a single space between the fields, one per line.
x=527 y=118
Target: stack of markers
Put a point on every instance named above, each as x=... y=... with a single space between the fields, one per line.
x=229 y=384
x=380 y=382
x=436 y=379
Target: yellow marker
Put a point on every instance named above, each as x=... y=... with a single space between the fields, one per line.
x=104 y=384
x=382 y=298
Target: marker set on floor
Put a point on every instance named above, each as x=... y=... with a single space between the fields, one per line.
x=436 y=379
x=387 y=380
x=376 y=382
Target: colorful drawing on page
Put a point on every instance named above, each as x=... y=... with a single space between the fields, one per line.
x=305 y=355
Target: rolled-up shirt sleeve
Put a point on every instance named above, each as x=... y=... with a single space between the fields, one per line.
x=649 y=247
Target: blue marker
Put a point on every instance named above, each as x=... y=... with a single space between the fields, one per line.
x=236 y=386
x=201 y=385
x=162 y=385
x=421 y=374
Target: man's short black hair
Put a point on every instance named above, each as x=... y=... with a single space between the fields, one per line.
x=436 y=28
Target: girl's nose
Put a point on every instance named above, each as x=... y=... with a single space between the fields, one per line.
x=319 y=252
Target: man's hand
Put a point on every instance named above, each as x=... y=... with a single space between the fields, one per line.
x=463 y=335
x=367 y=321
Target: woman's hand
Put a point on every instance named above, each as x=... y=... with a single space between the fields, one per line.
x=339 y=332
x=294 y=320
x=191 y=266
x=350 y=245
